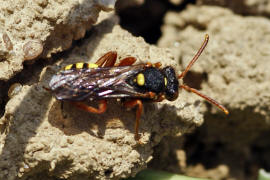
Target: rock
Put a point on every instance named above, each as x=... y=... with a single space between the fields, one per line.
x=48 y=26
x=121 y=4
x=233 y=69
x=39 y=139
x=251 y=7
x=176 y=2
x=219 y=172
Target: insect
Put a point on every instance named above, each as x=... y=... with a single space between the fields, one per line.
x=82 y=82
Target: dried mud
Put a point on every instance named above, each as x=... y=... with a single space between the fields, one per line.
x=38 y=136
x=41 y=139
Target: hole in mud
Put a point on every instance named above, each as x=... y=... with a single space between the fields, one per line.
x=146 y=20
x=108 y=172
x=195 y=80
x=198 y=151
x=221 y=148
x=29 y=75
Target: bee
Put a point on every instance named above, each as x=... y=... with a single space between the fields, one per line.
x=106 y=79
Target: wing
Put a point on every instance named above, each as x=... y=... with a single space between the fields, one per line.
x=96 y=83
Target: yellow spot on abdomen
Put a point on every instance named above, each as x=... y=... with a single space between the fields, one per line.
x=79 y=65
x=68 y=67
x=165 y=81
x=92 y=65
x=140 y=79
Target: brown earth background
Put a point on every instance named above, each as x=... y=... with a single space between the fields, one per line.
x=39 y=139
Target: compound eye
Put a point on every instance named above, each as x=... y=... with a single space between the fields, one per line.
x=172 y=84
x=171 y=96
x=171 y=92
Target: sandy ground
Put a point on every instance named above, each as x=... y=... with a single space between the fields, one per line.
x=41 y=139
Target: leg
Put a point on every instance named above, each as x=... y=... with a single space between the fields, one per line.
x=62 y=110
x=109 y=59
x=101 y=107
x=131 y=104
x=127 y=61
x=158 y=65
x=148 y=64
x=151 y=95
x=160 y=98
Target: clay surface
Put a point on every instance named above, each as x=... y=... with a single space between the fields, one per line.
x=254 y=7
x=235 y=72
x=121 y=4
x=41 y=139
x=176 y=2
x=233 y=69
x=40 y=28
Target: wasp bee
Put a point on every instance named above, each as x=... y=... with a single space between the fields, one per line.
x=133 y=84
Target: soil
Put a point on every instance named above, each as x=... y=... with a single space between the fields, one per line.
x=43 y=138
x=232 y=147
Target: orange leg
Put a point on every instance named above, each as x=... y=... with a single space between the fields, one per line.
x=160 y=98
x=148 y=64
x=109 y=59
x=127 y=61
x=158 y=65
x=131 y=104
x=101 y=107
x=151 y=95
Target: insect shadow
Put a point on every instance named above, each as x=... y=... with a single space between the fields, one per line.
x=157 y=123
x=72 y=120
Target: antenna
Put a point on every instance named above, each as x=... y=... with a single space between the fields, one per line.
x=187 y=88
